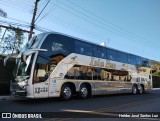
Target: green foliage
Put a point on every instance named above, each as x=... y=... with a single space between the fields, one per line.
x=156 y=67
x=2 y=13
x=13 y=41
x=6 y=71
x=6 y=75
x=156 y=82
x=157 y=73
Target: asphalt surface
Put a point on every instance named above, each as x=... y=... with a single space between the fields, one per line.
x=109 y=107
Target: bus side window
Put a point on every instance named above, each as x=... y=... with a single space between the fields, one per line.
x=83 y=48
x=41 y=70
x=149 y=76
x=129 y=78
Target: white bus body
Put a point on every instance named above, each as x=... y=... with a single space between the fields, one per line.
x=56 y=65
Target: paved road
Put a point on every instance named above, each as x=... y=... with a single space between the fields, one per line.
x=99 y=106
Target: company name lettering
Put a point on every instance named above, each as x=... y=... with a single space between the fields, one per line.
x=102 y=64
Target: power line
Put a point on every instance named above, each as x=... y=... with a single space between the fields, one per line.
x=17 y=20
x=72 y=28
x=13 y=23
x=24 y=9
x=131 y=33
x=103 y=27
x=42 y=10
x=47 y=13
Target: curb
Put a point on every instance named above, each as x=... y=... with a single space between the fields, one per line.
x=156 y=89
x=5 y=97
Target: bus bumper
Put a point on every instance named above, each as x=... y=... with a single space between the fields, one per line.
x=19 y=93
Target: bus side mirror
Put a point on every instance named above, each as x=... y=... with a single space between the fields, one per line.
x=25 y=54
x=31 y=51
x=5 y=60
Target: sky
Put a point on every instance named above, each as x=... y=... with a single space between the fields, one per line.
x=131 y=26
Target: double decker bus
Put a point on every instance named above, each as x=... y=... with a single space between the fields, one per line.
x=58 y=65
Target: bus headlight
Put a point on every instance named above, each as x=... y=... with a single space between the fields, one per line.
x=24 y=87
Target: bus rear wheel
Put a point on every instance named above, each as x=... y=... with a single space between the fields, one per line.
x=141 y=89
x=134 y=89
x=83 y=92
x=66 y=92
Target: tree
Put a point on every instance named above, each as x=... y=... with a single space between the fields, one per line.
x=12 y=43
x=2 y=13
x=155 y=68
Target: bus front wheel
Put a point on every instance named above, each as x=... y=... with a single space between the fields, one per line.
x=66 y=92
x=141 y=89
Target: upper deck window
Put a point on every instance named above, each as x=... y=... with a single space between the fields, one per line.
x=34 y=42
x=83 y=48
x=146 y=63
x=99 y=52
x=123 y=57
x=112 y=55
x=139 y=60
x=131 y=59
x=58 y=44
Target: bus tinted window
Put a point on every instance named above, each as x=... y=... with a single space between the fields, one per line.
x=83 y=48
x=58 y=44
x=139 y=60
x=131 y=59
x=145 y=63
x=99 y=52
x=123 y=57
x=112 y=55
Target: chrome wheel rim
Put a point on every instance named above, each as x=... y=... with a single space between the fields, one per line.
x=141 y=90
x=84 y=91
x=67 y=92
x=134 y=90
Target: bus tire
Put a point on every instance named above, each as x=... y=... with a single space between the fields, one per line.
x=66 y=92
x=83 y=92
x=134 y=89
x=141 y=89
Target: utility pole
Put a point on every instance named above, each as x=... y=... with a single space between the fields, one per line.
x=12 y=28
x=9 y=27
x=33 y=20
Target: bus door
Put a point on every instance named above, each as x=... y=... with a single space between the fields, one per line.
x=40 y=84
x=57 y=78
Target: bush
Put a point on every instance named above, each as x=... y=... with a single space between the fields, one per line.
x=156 y=82
x=5 y=75
x=4 y=88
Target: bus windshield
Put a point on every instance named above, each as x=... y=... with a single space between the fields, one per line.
x=23 y=68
